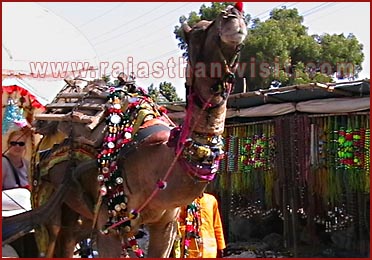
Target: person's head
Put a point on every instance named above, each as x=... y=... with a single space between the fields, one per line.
x=17 y=142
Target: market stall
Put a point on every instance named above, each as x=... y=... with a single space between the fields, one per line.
x=301 y=154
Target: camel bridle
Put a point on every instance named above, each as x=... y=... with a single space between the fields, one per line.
x=224 y=84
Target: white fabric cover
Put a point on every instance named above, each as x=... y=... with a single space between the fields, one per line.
x=8 y=252
x=329 y=105
x=334 y=105
x=262 y=111
x=15 y=201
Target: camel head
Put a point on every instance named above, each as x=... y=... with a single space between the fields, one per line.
x=213 y=53
x=233 y=26
x=230 y=29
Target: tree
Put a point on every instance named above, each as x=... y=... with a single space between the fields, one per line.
x=342 y=52
x=169 y=92
x=107 y=80
x=294 y=57
x=165 y=93
x=281 y=49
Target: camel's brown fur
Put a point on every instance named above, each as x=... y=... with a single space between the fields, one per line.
x=149 y=163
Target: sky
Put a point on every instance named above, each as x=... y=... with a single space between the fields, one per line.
x=122 y=34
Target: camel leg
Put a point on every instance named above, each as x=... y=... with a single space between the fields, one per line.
x=162 y=235
x=76 y=199
x=53 y=230
x=53 y=233
x=67 y=244
x=79 y=202
x=109 y=245
x=67 y=238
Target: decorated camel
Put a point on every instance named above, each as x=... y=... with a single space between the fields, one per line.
x=111 y=160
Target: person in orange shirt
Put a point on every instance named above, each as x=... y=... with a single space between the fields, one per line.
x=200 y=229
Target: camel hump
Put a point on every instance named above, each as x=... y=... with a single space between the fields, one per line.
x=157 y=138
x=156 y=133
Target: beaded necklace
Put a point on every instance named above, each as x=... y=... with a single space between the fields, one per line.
x=126 y=111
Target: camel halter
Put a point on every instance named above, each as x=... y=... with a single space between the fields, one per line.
x=201 y=159
x=221 y=87
x=216 y=89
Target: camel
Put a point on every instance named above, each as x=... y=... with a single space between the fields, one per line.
x=147 y=170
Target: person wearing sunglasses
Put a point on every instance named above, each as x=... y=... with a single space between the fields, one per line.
x=15 y=166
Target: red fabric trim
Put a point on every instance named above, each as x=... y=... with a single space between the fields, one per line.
x=23 y=92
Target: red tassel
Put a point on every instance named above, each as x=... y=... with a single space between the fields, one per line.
x=239 y=6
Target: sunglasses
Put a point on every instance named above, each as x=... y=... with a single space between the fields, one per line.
x=14 y=143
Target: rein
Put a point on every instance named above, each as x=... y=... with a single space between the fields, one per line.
x=221 y=86
x=207 y=173
x=201 y=159
x=160 y=185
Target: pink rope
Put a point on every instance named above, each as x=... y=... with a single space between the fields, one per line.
x=184 y=133
x=178 y=153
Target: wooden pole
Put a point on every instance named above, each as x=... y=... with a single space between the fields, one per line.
x=294 y=219
x=295 y=125
x=285 y=217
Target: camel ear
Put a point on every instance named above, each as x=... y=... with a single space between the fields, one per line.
x=196 y=38
x=195 y=42
x=186 y=31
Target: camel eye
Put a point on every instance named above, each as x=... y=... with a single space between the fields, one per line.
x=224 y=14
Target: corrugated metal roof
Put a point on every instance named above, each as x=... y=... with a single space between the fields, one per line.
x=299 y=93
x=246 y=105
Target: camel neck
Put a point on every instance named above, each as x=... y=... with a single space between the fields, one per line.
x=208 y=122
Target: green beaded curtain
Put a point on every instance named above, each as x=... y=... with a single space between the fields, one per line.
x=249 y=161
x=341 y=155
x=330 y=158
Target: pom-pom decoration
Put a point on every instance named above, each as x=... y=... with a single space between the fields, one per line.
x=161 y=184
x=239 y=6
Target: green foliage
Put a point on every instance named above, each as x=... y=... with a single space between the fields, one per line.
x=154 y=93
x=210 y=13
x=282 y=42
x=341 y=51
x=168 y=91
x=106 y=78
x=280 y=48
x=165 y=93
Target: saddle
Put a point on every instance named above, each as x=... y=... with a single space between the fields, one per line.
x=79 y=112
x=81 y=115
